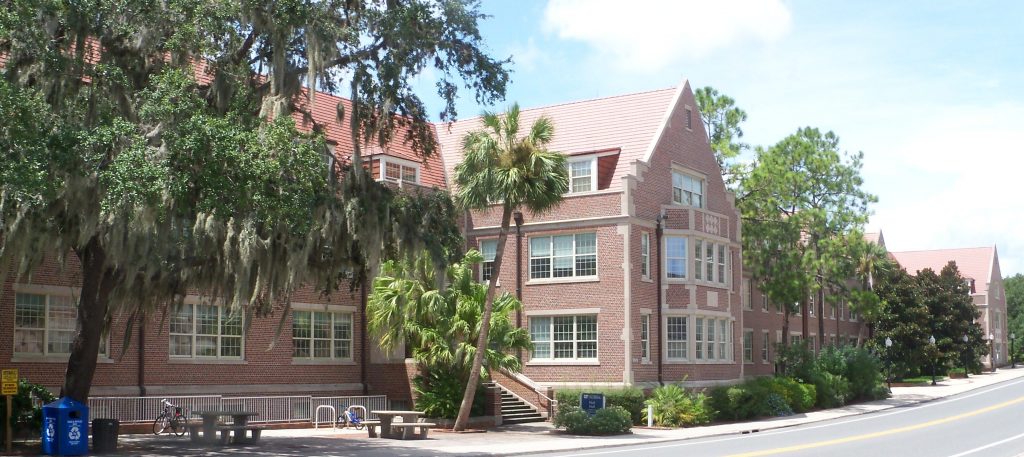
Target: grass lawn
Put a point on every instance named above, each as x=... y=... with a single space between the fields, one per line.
x=922 y=379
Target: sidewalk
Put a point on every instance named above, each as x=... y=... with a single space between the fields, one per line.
x=531 y=438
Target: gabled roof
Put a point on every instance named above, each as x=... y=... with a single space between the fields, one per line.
x=974 y=263
x=325 y=113
x=628 y=123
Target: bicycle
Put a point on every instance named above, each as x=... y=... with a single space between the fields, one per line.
x=170 y=418
x=349 y=417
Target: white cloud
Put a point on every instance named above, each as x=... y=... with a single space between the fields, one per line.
x=649 y=35
x=954 y=181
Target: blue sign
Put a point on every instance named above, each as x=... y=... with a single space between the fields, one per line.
x=591 y=402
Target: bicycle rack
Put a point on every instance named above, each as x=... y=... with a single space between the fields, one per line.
x=316 y=416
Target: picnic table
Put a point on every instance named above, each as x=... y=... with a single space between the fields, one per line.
x=210 y=427
x=407 y=425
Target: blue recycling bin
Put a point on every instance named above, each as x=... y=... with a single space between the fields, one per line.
x=65 y=428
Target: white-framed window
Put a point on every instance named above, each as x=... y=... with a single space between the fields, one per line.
x=645 y=337
x=676 y=341
x=675 y=256
x=582 y=175
x=810 y=305
x=45 y=325
x=709 y=261
x=748 y=345
x=832 y=308
x=724 y=337
x=699 y=337
x=764 y=302
x=564 y=337
x=488 y=248
x=563 y=256
x=841 y=310
x=645 y=254
x=853 y=314
x=396 y=170
x=321 y=335
x=205 y=331
x=794 y=339
x=765 y=344
x=745 y=293
x=687 y=190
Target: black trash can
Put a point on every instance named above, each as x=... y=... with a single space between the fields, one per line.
x=104 y=435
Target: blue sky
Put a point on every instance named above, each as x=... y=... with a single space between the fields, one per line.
x=932 y=92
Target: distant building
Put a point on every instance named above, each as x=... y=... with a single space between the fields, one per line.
x=980 y=267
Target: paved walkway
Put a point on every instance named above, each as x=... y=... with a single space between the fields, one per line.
x=526 y=438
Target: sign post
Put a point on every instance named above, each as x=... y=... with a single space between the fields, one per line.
x=591 y=402
x=9 y=388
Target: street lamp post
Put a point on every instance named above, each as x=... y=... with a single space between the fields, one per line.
x=888 y=358
x=1013 y=358
x=966 y=375
x=931 y=341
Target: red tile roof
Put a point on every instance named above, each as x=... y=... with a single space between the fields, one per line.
x=630 y=123
x=974 y=263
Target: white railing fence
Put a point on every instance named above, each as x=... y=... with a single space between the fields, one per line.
x=270 y=409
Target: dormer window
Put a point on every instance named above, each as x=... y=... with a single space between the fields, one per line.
x=687 y=190
x=582 y=175
x=396 y=170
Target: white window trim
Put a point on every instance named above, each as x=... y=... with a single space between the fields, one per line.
x=567 y=361
x=593 y=174
x=694 y=176
x=685 y=258
x=480 y=267
x=749 y=331
x=645 y=343
x=193 y=300
x=766 y=350
x=384 y=159
x=47 y=291
x=688 y=341
x=565 y=279
x=645 y=255
x=716 y=279
x=332 y=309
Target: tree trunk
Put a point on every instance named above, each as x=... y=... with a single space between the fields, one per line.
x=485 y=324
x=97 y=283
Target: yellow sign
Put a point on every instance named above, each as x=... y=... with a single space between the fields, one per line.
x=10 y=375
x=9 y=388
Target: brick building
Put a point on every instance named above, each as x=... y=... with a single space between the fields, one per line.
x=980 y=268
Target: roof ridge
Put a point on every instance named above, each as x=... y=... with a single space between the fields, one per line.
x=944 y=249
x=573 y=102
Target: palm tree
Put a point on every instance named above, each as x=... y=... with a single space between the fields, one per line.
x=871 y=259
x=502 y=167
x=442 y=324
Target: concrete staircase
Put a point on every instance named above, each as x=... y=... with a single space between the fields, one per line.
x=516 y=411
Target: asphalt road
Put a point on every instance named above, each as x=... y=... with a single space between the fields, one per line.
x=986 y=422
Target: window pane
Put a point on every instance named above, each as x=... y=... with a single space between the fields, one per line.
x=230 y=324
x=300 y=348
x=676 y=246
x=676 y=268
x=301 y=324
x=28 y=311
x=588 y=350
x=541 y=350
x=540 y=246
x=62 y=313
x=231 y=346
x=563 y=328
x=540 y=329
x=721 y=264
x=709 y=258
x=562 y=245
x=392 y=171
x=586 y=328
x=181 y=320
x=181 y=345
x=540 y=268
x=563 y=351
x=676 y=333
x=698 y=259
x=489 y=248
x=321 y=325
x=586 y=243
x=206 y=321
x=206 y=346
x=322 y=348
x=586 y=265
x=409 y=174
x=59 y=342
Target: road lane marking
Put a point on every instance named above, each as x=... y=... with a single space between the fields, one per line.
x=695 y=441
x=867 y=436
x=997 y=443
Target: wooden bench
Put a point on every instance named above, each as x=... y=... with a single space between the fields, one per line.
x=225 y=433
x=408 y=429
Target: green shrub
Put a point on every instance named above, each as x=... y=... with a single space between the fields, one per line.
x=28 y=418
x=630 y=398
x=805 y=400
x=439 y=394
x=740 y=402
x=864 y=371
x=777 y=406
x=612 y=420
x=675 y=407
x=832 y=390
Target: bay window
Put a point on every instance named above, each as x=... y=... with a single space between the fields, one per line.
x=675 y=256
